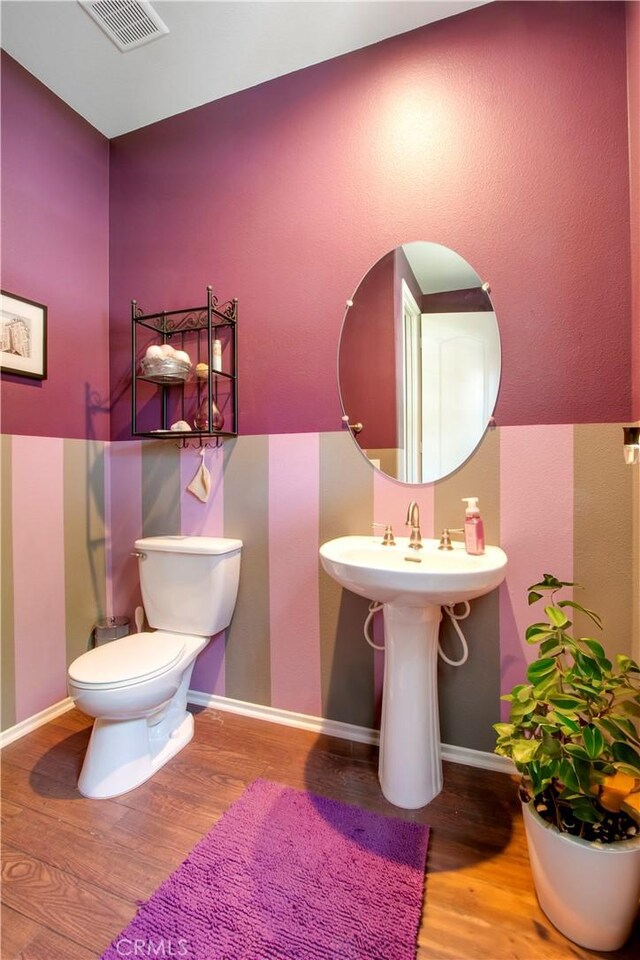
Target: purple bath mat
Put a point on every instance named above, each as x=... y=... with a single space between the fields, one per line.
x=286 y=875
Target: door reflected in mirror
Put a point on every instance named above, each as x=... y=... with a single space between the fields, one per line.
x=419 y=362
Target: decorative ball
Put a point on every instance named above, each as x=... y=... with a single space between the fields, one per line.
x=166 y=350
x=202 y=370
x=153 y=352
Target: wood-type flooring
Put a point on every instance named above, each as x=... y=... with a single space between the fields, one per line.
x=74 y=868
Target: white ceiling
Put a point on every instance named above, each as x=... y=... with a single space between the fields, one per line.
x=437 y=269
x=214 y=48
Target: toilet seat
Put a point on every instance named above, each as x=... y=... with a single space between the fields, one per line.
x=127 y=661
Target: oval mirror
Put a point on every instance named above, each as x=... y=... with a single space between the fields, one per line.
x=419 y=362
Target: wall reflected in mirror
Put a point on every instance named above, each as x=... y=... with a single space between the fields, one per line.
x=419 y=362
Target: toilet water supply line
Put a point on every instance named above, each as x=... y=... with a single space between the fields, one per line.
x=374 y=606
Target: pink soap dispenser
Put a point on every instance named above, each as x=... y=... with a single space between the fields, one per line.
x=473 y=528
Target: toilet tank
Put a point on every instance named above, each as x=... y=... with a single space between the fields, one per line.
x=189 y=584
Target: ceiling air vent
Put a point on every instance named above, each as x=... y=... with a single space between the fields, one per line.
x=129 y=23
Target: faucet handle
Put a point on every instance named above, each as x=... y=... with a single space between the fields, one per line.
x=388 y=539
x=445 y=537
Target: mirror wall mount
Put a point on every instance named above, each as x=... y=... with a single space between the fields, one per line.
x=419 y=362
x=354 y=427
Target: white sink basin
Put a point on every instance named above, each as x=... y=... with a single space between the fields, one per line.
x=412 y=578
x=412 y=586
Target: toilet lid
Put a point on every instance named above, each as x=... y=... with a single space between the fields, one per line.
x=137 y=657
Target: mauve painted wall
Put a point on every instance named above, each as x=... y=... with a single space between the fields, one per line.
x=479 y=132
x=367 y=344
x=55 y=250
x=633 y=74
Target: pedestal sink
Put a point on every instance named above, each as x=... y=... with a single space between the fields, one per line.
x=412 y=585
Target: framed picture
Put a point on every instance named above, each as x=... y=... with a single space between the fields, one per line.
x=23 y=336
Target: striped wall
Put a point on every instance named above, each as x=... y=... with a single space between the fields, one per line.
x=559 y=499
x=635 y=512
x=53 y=565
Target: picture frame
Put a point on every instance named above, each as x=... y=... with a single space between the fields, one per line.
x=23 y=336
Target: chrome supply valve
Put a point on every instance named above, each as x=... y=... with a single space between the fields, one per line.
x=445 y=538
x=388 y=539
x=413 y=521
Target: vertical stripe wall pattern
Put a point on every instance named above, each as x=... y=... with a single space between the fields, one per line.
x=39 y=624
x=536 y=531
x=85 y=578
x=7 y=658
x=53 y=565
x=246 y=516
x=347 y=662
x=205 y=520
x=469 y=698
x=558 y=499
x=390 y=501
x=635 y=580
x=603 y=547
x=294 y=624
x=124 y=469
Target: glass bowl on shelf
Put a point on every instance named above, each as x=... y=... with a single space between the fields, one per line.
x=164 y=369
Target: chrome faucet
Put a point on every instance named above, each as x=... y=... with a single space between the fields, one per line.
x=413 y=521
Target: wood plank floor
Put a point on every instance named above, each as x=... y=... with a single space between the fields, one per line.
x=73 y=868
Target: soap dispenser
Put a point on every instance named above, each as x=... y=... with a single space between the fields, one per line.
x=473 y=528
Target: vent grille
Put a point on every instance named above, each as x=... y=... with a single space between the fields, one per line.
x=129 y=23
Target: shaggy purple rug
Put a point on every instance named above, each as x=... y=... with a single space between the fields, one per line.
x=286 y=875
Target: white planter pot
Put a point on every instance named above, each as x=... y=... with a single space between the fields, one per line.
x=589 y=891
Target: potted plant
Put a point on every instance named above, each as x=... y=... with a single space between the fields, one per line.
x=573 y=736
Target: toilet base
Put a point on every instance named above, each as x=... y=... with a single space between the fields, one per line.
x=122 y=754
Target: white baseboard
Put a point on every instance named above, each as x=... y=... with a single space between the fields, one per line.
x=37 y=720
x=476 y=758
x=337 y=728
x=301 y=721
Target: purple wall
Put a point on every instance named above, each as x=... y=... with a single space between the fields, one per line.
x=477 y=132
x=284 y=194
x=55 y=228
x=368 y=343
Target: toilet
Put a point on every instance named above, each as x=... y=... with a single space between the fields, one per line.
x=136 y=687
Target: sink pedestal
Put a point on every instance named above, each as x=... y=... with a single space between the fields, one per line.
x=410 y=768
x=412 y=590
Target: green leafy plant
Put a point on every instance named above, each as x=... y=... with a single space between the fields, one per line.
x=573 y=730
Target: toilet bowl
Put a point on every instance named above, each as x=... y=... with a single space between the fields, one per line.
x=136 y=687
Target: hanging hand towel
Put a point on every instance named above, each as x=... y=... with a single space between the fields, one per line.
x=200 y=486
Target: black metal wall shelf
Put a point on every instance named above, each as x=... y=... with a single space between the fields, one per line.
x=192 y=330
